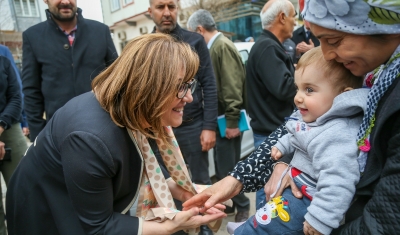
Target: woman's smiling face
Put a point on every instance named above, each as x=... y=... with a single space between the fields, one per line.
x=174 y=113
x=358 y=53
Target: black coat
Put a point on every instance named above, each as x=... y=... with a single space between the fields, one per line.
x=270 y=84
x=54 y=72
x=10 y=95
x=79 y=177
x=299 y=35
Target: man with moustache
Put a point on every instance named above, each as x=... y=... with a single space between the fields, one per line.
x=196 y=135
x=55 y=54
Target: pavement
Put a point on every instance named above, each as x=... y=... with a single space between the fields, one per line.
x=231 y=218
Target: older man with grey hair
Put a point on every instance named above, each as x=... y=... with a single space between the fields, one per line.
x=230 y=76
x=270 y=74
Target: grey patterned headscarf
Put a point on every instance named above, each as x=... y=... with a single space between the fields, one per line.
x=355 y=16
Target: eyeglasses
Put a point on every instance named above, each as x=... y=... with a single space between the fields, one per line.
x=184 y=87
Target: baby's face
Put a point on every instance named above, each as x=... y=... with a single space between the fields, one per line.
x=315 y=92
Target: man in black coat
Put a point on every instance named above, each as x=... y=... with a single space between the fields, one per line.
x=270 y=74
x=304 y=40
x=61 y=56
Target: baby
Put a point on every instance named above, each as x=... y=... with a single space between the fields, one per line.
x=322 y=134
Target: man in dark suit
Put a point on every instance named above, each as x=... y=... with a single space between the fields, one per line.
x=304 y=40
x=61 y=56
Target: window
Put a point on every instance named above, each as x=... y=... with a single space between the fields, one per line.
x=123 y=44
x=26 y=8
x=114 y=5
x=126 y=2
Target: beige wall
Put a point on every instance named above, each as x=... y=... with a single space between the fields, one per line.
x=117 y=20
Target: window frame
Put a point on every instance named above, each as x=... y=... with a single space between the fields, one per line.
x=30 y=12
x=114 y=7
x=127 y=2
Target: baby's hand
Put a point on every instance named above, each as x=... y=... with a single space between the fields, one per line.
x=309 y=230
x=275 y=153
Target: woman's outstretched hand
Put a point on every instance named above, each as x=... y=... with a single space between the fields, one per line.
x=219 y=192
x=192 y=219
x=183 y=220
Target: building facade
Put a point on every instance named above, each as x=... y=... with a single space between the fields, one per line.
x=127 y=19
x=237 y=19
x=15 y=17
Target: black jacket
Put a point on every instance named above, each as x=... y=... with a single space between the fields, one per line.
x=79 y=177
x=204 y=105
x=270 y=84
x=10 y=95
x=54 y=72
x=299 y=35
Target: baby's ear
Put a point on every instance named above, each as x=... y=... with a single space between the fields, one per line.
x=348 y=89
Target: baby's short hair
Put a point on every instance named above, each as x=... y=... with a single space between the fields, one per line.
x=339 y=75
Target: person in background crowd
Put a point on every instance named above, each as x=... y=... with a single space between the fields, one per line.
x=12 y=142
x=61 y=56
x=365 y=45
x=249 y=39
x=304 y=40
x=290 y=48
x=4 y=51
x=230 y=76
x=93 y=159
x=269 y=73
x=196 y=135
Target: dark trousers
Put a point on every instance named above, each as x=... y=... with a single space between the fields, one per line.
x=14 y=139
x=188 y=138
x=226 y=155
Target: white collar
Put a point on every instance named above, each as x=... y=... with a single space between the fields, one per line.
x=209 y=44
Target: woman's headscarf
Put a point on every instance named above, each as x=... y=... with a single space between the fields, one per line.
x=355 y=16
